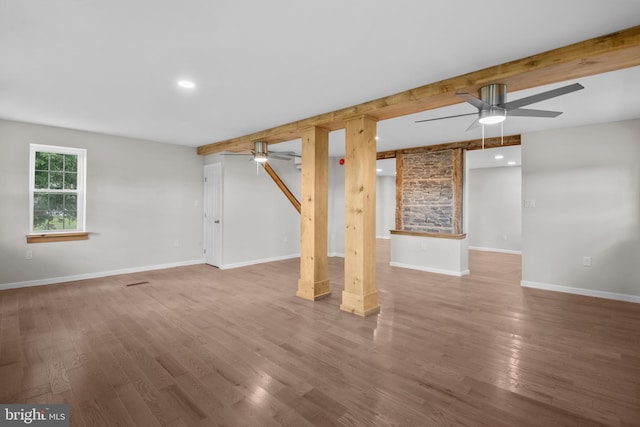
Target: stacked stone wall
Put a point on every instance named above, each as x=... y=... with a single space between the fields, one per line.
x=427 y=192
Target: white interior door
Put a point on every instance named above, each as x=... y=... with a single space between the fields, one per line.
x=213 y=214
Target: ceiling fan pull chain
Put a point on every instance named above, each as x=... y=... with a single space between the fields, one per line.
x=483 y=136
x=501 y=133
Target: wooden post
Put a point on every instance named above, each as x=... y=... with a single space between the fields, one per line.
x=399 y=186
x=314 y=267
x=457 y=183
x=360 y=295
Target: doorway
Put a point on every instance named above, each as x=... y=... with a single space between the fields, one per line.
x=493 y=212
x=213 y=214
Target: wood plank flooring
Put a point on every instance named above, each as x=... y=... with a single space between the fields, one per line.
x=196 y=346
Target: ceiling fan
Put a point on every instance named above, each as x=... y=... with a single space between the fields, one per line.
x=261 y=154
x=493 y=107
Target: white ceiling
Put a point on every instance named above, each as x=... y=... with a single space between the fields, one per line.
x=112 y=66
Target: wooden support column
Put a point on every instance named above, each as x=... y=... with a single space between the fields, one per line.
x=314 y=267
x=456 y=183
x=399 y=187
x=360 y=295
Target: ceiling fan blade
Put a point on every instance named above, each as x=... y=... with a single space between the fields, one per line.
x=473 y=125
x=476 y=102
x=525 y=112
x=446 y=117
x=541 y=96
x=285 y=153
x=276 y=155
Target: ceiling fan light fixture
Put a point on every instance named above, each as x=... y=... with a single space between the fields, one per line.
x=260 y=151
x=492 y=116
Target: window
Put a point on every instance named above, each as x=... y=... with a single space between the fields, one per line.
x=57 y=189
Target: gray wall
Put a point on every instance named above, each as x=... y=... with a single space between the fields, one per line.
x=494 y=209
x=385 y=206
x=336 y=207
x=585 y=182
x=143 y=206
x=259 y=223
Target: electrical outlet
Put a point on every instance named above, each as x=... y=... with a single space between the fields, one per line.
x=586 y=261
x=29 y=255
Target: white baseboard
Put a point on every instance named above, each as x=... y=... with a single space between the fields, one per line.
x=256 y=261
x=76 y=277
x=581 y=291
x=502 y=251
x=335 y=254
x=384 y=237
x=429 y=269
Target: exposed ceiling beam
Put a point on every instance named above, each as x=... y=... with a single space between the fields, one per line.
x=472 y=144
x=611 y=52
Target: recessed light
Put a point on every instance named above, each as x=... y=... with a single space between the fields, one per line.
x=511 y=163
x=186 y=84
x=378 y=170
x=499 y=156
x=377 y=138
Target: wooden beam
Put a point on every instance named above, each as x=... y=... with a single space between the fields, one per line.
x=473 y=144
x=456 y=183
x=383 y=155
x=399 y=186
x=360 y=295
x=425 y=234
x=314 y=263
x=611 y=52
x=292 y=198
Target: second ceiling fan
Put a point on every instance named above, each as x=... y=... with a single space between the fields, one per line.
x=261 y=153
x=493 y=107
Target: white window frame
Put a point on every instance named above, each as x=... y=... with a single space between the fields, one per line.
x=80 y=191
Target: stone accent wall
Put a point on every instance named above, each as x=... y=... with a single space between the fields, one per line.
x=429 y=193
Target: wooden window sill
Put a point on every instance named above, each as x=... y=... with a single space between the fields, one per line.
x=57 y=237
x=424 y=234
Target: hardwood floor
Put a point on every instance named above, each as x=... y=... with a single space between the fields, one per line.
x=196 y=346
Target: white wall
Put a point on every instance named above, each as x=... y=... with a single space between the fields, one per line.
x=385 y=206
x=143 y=206
x=336 y=208
x=433 y=254
x=585 y=182
x=494 y=209
x=259 y=223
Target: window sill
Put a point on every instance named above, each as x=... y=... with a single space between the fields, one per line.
x=57 y=237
